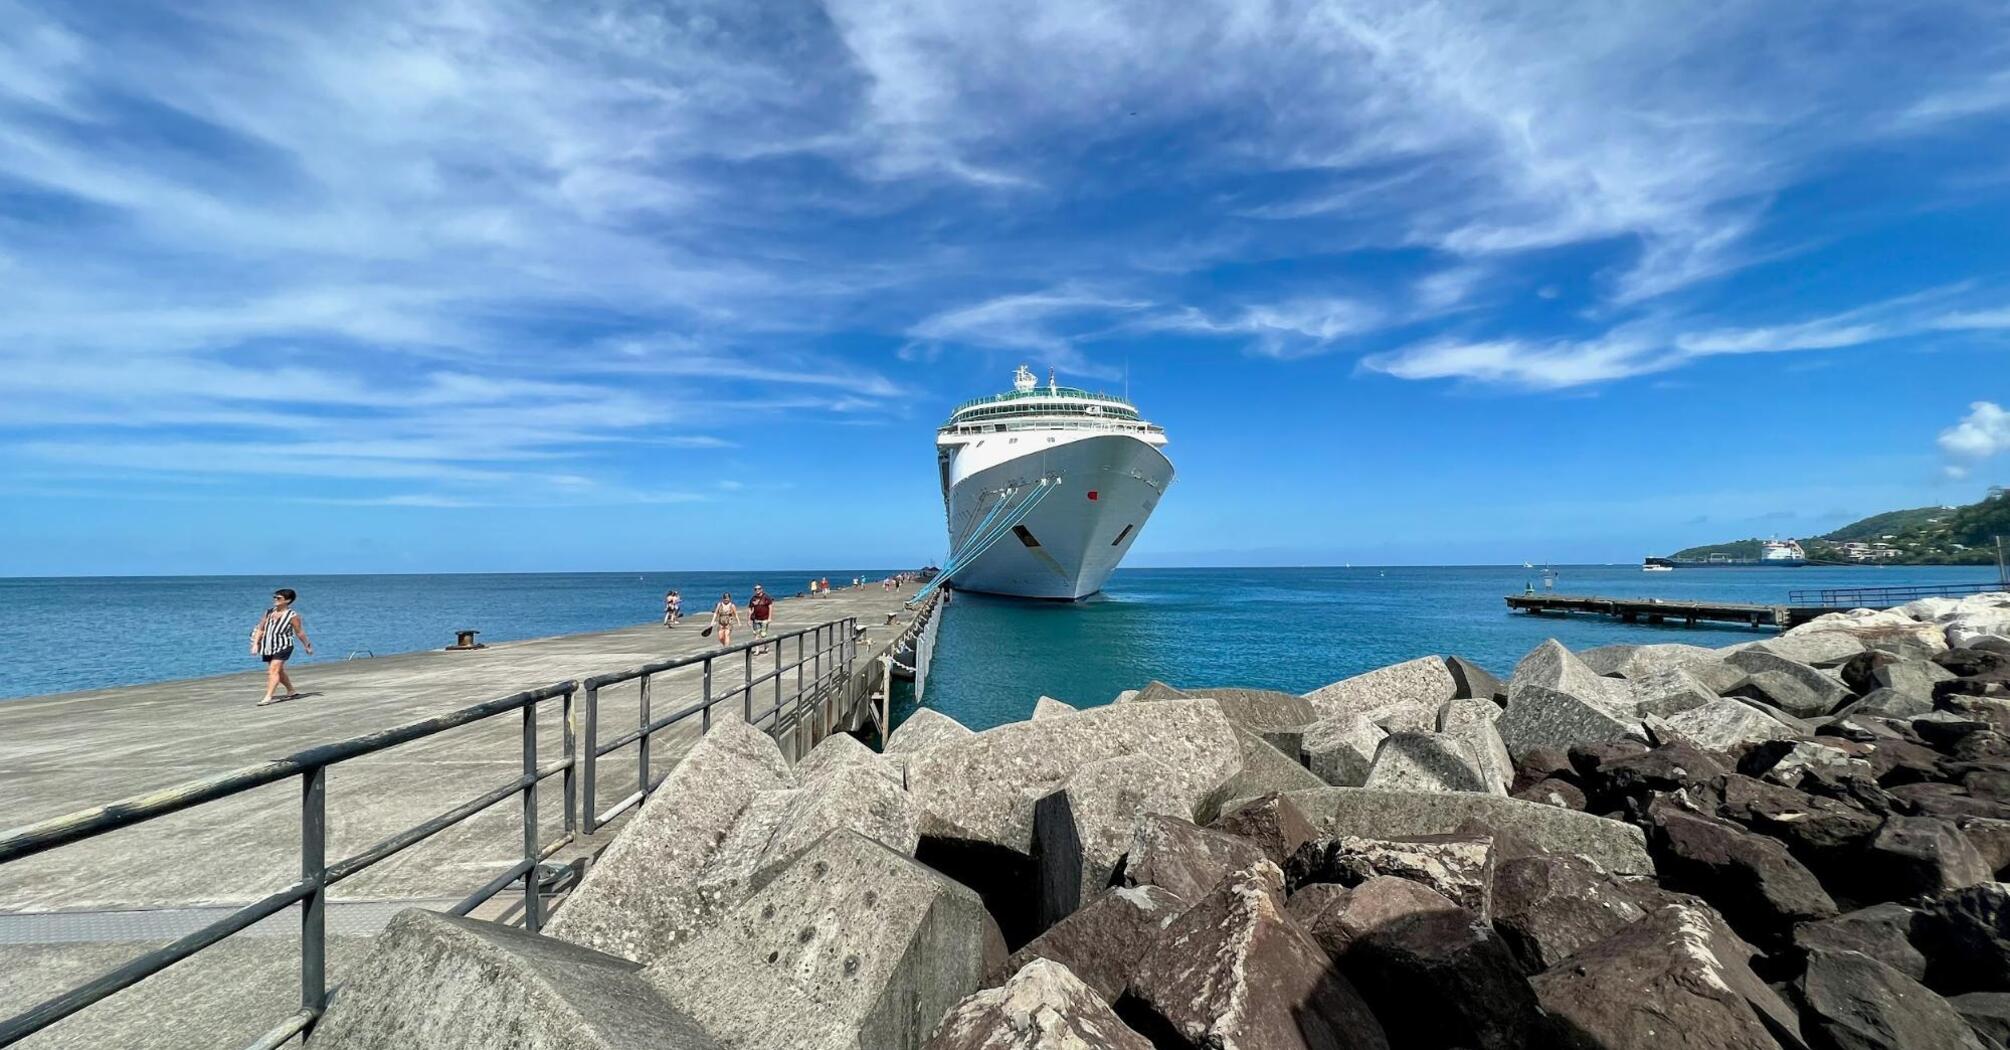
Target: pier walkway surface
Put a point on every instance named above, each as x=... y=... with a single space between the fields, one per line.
x=71 y=913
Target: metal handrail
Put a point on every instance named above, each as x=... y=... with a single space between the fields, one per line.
x=316 y=874
x=829 y=662
x=1885 y=597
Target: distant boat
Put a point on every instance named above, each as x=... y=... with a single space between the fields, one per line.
x=1654 y=567
x=1528 y=565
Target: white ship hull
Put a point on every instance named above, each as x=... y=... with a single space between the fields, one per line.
x=1070 y=542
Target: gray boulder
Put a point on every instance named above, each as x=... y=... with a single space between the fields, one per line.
x=1614 y=846
x=857 y=796
x=1784 y=692
x=839 y=750
x=1722 y=725
x=1553 y=668
x=1042 y=1007
x=439 y=981
x=1235 y=971
x=1606 y=659
x=1813 y=647
x=1102 y=942
x=1675 y=977
x=1668 y=691
x=1473 y=682
x=1264 y=769
x=1855 y=1002
x=1081 y=831
x=1541 y=717
x=1259 y=710
x=983 y=788
x=1473 y=723
x=1829 y=693
x=1914 y=678
x=1340 y=750
x=853 y=945
x=1427 y=762
x=1048 y=707
x=1184 y=858
x=648 y=890
x=1662 y=657
x=925 y=728
x=1405 y=695
x=1889 y=703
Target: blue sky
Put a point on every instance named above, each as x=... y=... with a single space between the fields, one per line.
x=511 y=286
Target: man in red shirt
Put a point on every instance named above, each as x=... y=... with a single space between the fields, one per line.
x=759 y=608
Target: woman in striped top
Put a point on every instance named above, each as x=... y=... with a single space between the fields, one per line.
x=272 y=641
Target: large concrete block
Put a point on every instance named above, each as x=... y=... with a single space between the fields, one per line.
x=1043 y=1007
x=1428 y=762
x=1082 y=831
x=646 y=892
x=446 y=983
x=1552 y=667
x=1048 y=707
x=1264 y=769
x=853 y=946
x=857 y=796
x=839 y=750
x=1617 y=847
x=1395 y=697
x=1340 y=750
x=1474 y=723
x=1721 y=725
x=1540 y=717
x=982 y=789
x=925 y=728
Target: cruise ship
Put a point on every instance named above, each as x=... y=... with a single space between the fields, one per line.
x=1046 y=488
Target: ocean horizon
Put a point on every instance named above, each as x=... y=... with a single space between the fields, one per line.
x=1291 y=628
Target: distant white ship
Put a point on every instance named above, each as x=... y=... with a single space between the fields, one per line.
x=1046 y=488
x=1782 y=552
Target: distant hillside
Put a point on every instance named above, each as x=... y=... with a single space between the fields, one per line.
x=1890 y=523
x=1922 y=536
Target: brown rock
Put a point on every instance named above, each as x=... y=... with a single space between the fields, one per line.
x=1965 y=936
x=1103 y=940
x=1920 y=855
x=1553 y=791
x=1882 y=931
x=1273 y=822
x=1853 y=1002
x=1758 y=886
x=1043 y=1007
x=1183 y=857
x=1445 y=979
x=1235 y=971
x=1459 y=866
x=1675 y=978
x=1549 y=908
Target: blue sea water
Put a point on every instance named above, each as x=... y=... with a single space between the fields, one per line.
x=58 y=635
x=1293 y=629
x=1297 y=629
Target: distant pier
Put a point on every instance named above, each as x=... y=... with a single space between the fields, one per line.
x=1666 y=610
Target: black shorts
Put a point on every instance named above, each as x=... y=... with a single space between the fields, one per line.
x=283 y=654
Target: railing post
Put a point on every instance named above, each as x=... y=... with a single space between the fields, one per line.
x=533 y=906
x=747 y=685
x=590 y=755
x=314 y=910
x=571 y=745
x=642 y=745
x=778 y=678
x=705 y=712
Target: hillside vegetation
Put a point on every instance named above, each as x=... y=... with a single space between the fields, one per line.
x=1963 y=535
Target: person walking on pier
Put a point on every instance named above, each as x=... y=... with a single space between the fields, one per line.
x=724 y=616
x=673 y=608
x=759 y=608
x=272 y=641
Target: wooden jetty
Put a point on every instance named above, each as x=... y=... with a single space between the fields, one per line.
x=73 y=912
x=1667 y=610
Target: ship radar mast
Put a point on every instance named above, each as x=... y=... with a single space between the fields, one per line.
x=1023 y=380
x=1052 y=387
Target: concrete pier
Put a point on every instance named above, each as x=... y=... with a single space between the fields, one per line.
x=67 y=914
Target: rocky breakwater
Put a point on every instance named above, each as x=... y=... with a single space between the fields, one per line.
x=1792 y=843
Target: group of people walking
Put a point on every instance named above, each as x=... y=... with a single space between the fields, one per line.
x=726 y=615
